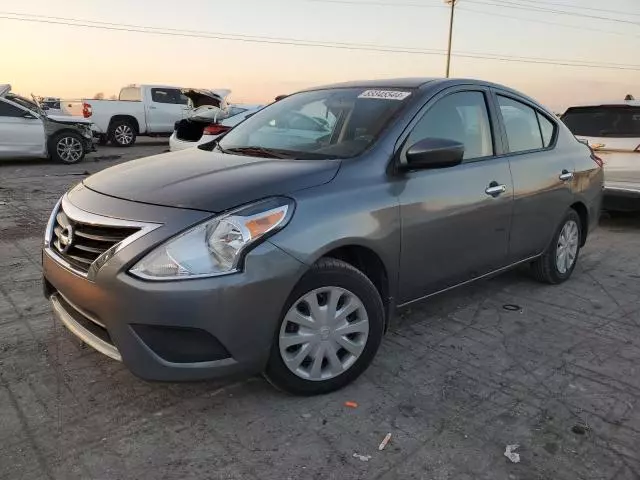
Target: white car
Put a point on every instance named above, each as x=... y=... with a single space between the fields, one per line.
x=205 y=125
x=149 y=110
x=612 y=130
x=28 y=131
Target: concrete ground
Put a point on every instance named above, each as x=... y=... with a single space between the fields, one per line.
x=456 y=380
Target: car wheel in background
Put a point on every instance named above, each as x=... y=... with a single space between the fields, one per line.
x=330 y=330
x=66 y=147
x=557 y=263
x=122 y=133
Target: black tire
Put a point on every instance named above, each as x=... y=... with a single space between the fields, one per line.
x=545 y=268
x=58 y=144
x=330 y=272
x=119 y=140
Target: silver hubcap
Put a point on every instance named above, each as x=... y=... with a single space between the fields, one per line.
x=567 y=248
x=123 y=134
x=69 y=149
x=323 y=333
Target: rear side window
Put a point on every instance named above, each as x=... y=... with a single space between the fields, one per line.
x=521 y=123
x=131 y=94
x=7 y=110
x=168 y=95
x=605 y=121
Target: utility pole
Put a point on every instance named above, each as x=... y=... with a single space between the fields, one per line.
x=453 y=6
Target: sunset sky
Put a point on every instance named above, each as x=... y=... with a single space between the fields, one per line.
x=73 y=62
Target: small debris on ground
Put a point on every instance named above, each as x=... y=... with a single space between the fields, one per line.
x=512 y=307
x=384 y=442
x=510 y=454
x=364 y=458
x=306 y=415
x=351 y=404
x=579 y=429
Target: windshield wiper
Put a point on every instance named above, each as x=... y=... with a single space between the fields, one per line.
x=256 y=152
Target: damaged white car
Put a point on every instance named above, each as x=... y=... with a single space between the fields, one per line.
x=27 y=131
x=211 y=117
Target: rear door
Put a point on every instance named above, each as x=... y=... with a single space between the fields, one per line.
x=542 y=175
x=21 y=132
x=164 y=108
x=613 y=131
x=455 y=221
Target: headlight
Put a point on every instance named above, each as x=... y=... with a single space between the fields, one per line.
x=216 y=246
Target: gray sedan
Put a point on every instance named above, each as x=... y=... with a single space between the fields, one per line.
x=266 y=252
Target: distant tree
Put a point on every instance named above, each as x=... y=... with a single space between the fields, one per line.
x=113 y=97
x=98 y=96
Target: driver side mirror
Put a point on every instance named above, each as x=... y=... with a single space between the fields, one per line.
x=433 y=153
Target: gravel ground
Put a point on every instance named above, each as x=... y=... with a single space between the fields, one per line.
x=456 y=380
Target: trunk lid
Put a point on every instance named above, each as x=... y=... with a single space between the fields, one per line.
x=211 y=181
x=4 y=89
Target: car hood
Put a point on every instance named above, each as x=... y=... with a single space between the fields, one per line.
x=211 y=181
x=4 y=89
x=69 y=119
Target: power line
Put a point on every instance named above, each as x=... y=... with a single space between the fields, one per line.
x=593 y=9
x=415 y=5
x=546 y=22
x=519 y=6
x=272 y=40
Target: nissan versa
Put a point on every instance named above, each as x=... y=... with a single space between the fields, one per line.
x=285 y=246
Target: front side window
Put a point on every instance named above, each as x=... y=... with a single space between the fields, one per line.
x=606 y=121
x=332 y=123
x=168 y=95
x=7 y=110
x=461 y=117
x=521 y=124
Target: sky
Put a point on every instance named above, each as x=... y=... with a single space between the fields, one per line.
x=76 y=62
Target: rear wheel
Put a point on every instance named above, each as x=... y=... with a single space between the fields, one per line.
x=330 y=330
x=66 y=147
x=557 y=263
x=122 y=133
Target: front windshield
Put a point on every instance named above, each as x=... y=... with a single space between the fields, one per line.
x=332 y=123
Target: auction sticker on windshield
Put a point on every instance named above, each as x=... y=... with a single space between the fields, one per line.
x=384 y=94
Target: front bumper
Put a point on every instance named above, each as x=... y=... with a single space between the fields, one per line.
x=155 y=327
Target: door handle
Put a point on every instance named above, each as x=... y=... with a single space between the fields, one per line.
x=565 y=175
x=151 y=107
x=494 y=189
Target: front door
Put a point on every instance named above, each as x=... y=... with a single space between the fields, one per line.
x=21 y=133
x=455 y=221
x=166 y=107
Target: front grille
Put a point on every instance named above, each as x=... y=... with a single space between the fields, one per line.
x=81 y=244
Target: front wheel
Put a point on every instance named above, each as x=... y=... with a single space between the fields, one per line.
x=66 y=147
x=330 y=330
x=557 y=263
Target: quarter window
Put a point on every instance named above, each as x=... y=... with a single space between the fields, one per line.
x=130 y=94
x=547 y=128
x=462 y=117
x=7 y=110
x=521 y=123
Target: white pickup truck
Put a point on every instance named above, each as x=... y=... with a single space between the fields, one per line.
x=150 y=110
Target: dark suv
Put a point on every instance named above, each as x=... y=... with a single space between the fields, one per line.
x=284 y=250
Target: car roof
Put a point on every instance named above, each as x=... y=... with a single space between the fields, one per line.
x=614 y=103
x=382 y=83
